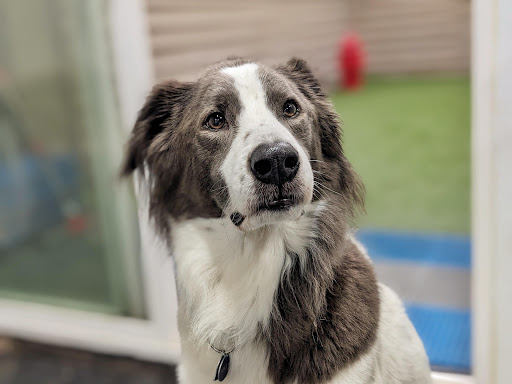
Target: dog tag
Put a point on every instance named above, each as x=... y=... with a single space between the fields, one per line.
x=222 y=368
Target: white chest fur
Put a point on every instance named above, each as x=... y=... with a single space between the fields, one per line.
x=227 y=280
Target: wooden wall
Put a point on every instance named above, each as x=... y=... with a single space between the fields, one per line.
x=413 y=35
x=401 y=36
x=188 y=35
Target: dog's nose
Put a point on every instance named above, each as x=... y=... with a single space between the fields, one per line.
x=275 y=163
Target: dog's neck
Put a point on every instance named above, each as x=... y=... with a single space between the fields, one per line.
x=227 y=279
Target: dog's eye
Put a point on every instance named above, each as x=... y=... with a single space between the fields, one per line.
x=290 y=108
x=215 y=121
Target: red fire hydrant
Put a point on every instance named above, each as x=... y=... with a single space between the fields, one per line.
x=351 y=61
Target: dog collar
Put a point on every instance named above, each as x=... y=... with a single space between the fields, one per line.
x=223 y=366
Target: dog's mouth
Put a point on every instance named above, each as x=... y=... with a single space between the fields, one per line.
x=279 y=200
x=278 y=206
x=281 y=204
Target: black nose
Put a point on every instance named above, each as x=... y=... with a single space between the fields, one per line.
x=275 y=163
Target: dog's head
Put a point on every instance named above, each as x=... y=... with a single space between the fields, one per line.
x=245 y=141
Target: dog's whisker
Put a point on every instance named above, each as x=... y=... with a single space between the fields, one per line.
x=319 y=191
x=317 y=194
x=323 y=186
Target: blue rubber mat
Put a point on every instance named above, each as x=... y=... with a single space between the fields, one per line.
x=432 y=249
x=446 y=335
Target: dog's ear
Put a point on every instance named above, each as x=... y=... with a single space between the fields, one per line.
x=343 y=180
x=161 y=113
x=300 y=72
x=155 y=143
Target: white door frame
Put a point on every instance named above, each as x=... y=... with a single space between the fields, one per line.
x=492 y=190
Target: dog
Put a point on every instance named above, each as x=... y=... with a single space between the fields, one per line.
x=248 y=183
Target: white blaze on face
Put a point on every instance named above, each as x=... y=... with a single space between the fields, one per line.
x=257 y=124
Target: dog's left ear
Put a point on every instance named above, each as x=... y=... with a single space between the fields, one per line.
x=159 y=116
x=345 y=180
x=155 y=145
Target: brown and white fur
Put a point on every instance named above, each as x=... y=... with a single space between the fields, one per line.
x=270 y=268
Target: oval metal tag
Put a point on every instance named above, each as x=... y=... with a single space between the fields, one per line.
x=222 y=368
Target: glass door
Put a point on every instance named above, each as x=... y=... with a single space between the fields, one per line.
x=68 y=228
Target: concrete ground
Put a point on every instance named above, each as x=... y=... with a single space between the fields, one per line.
x=445 y=287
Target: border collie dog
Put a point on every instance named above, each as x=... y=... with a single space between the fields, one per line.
x=248 y=183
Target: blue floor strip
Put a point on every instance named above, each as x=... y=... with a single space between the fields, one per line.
x=446 y=335
x=445 y=331
x=432 y=249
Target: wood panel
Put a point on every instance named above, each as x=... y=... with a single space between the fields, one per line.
x=187 y=36
x=408 y=36
x=399 y=35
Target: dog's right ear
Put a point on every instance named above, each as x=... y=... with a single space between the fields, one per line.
x=161 y=113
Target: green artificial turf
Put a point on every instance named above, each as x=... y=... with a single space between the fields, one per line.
x=409 y=140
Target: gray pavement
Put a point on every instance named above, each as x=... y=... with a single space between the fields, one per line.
x=427 y=284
